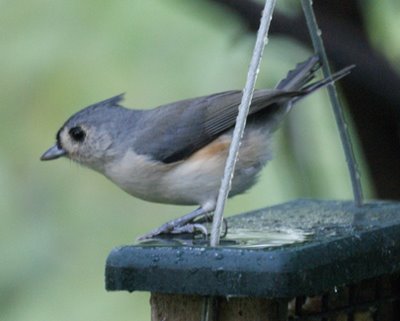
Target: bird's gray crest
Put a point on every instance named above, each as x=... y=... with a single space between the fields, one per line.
x=95 y=113
x=113 y=101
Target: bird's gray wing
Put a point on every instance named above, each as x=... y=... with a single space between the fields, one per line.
x=179 y=129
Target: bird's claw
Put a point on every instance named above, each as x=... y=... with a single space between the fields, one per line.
x=193 y=223
x=168 y=228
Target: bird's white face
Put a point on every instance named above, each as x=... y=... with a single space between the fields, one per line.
x=87 y=136
x=86 y=145
x=74 y=142
x=83 y=144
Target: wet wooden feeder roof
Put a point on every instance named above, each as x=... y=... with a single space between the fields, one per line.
x=298 y=248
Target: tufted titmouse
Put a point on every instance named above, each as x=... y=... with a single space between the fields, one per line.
x=176 y=153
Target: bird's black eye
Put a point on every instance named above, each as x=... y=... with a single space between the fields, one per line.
x=77 y=134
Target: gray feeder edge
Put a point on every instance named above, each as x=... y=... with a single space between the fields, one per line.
x=348 y=244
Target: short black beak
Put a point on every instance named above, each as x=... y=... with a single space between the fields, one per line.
x=53 y=152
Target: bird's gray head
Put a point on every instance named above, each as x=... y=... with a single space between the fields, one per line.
x=88 y=137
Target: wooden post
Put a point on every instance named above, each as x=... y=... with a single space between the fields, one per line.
x=175 y=307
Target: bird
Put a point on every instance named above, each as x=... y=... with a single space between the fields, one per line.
x=176 y=153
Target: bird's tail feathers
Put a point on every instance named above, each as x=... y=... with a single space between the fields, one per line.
x=297 y=79
x=327 y=81
x=300 y=75
x=296 y=86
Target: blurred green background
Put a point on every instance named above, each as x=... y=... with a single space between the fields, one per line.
x=59 y=221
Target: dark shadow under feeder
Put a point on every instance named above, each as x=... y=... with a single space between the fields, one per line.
x=332 y=258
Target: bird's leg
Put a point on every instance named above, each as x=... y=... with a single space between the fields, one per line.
x=180 y=225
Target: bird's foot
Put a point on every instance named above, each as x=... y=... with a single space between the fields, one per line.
x=195 y=226
x=182 y=225
x=168 y=229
